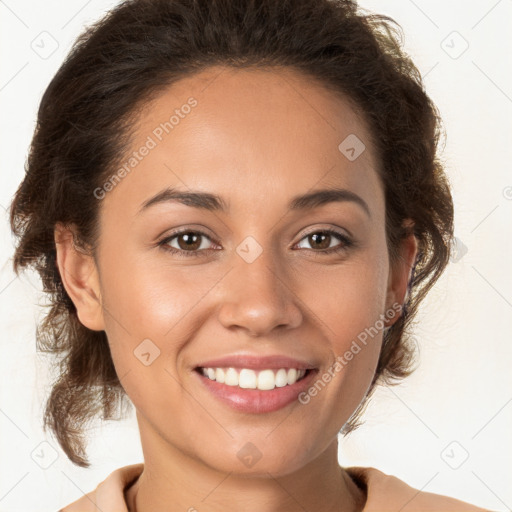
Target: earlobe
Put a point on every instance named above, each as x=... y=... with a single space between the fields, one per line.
x=401 y=273
x=80 y=277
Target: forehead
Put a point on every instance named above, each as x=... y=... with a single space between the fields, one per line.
x=250 y=135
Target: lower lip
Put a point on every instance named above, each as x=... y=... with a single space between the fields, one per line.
x=255 y=400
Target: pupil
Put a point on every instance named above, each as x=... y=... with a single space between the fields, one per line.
x=323 y=237
x=190 y=239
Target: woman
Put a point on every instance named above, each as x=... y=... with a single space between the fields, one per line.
x=236 y=209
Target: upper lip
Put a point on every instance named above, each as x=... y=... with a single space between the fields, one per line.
x=257 y=362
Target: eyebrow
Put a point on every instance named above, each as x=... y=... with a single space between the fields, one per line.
x=213 y=202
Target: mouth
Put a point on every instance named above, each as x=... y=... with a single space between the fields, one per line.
x=248 y=378
x=254 y=391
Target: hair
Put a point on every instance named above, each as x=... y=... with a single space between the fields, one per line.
x=140 y=48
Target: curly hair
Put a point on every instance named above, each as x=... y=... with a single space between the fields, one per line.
x=141 y=47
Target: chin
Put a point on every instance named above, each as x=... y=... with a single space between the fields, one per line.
x=250 y=461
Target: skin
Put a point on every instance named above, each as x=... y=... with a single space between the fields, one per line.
x=257 y=138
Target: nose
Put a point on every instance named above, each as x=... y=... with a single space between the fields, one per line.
x=258 y=297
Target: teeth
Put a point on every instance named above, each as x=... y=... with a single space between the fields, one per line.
x=281 y=378
x=220 y=375
x=266 y=380
x=292 y=375
x=231 y=377
x=249 y=379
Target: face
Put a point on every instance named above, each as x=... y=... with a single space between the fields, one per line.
x=251 y=274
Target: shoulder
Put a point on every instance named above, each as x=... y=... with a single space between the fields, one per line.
x=109 y=494
x=386 y=489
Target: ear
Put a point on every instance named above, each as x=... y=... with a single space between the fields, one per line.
x=401 y=272
x=80 y=277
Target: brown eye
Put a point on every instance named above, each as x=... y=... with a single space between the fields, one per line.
x=187 y=243
x=321 y=241
x=196 y=243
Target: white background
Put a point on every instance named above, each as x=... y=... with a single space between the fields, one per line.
x=460 y=397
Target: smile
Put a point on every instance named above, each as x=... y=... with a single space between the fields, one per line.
x=251 y=391
x=247 y=378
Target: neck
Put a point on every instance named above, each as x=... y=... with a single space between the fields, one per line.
x=173 y=477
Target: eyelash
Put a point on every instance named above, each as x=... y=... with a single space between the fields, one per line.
x=347 y=243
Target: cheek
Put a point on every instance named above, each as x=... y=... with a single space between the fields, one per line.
x=149 y=297
x=348 y=298
x=348 y=303
x=150 y=300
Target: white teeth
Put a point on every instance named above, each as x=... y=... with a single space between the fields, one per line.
x=220 y=375
x=281 y=378
x=231 y=377
x=266 y=380
x=292 y=375
x=247 y=379
x=250 y=379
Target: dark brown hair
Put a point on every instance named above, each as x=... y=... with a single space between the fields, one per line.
x=141 y=47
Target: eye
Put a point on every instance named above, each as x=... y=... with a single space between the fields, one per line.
x=195 y=243
x=189 y=243
x=323 y=239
